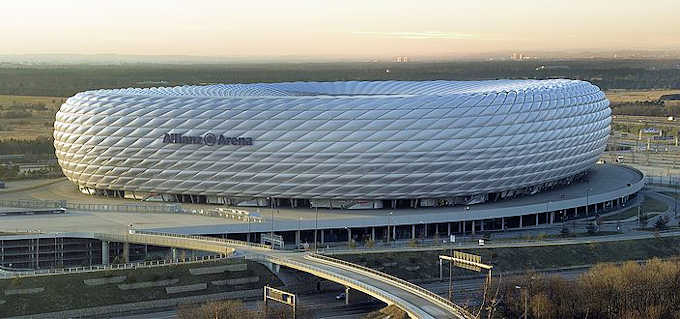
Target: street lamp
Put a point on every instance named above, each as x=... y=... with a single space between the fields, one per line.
x=389 y=216
x=316 y=228
x=271 y=205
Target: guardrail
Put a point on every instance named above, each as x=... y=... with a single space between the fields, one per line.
x=410 y=286
x=4 y=273
x=231 y=242
x=413 y=312
x=124 y=208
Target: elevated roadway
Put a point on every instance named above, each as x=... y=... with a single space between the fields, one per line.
x=418 y=302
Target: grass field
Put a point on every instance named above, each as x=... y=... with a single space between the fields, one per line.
x=64 y=292
x=35 y=118
x=621 y=96
x=424 y=265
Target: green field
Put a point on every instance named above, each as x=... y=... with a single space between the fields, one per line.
x=64 y=292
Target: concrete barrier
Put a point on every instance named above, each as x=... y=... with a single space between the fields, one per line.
x=104 y=281
x=218 y=269
x=187 y=288
x=236 y=281
x=23 y=291
x=148 y=284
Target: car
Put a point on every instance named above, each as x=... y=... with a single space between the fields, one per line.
x=340 y=296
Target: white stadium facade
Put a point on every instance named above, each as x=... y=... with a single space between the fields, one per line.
x=356 y=144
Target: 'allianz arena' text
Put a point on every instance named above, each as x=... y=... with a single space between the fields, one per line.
x=333 y=144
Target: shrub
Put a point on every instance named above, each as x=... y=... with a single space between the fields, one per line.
x=413 y=243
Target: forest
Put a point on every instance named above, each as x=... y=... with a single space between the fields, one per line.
x=66 y=80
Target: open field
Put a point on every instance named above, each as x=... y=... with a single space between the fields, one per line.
x=629 y=96
x=27 y=117
x=64 y=292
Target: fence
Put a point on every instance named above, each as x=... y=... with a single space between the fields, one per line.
x=412 y=311
x=408 y=285
x=229 y=242
x=146 y=264
x=125 y=208
x=663 y=179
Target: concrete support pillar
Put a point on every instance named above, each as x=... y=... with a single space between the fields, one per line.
x=105 y=252
x=463 y=222
x=520 y=221
x=536 y=219
x=394 y=232
x=413 y=231
x=552 y=217
x=424 y=231
x=473 y=227
x=347 y=295
x=349 y=235
x=174 y=253
x=502 y=223
x=481 y=224
x=297 y=238
x=441 y=272
x=248 y=237
x=126 y=253
x=321 y=232
x=448 y=229
x=373 y=233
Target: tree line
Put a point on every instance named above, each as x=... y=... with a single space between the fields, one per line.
x=70 y=79
x=628 y=291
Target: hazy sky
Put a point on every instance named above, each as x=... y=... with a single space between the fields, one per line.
x=334 y=28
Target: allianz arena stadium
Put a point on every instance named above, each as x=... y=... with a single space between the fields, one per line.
x=383 y=144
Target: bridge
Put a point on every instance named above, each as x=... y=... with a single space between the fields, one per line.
x=416 y=301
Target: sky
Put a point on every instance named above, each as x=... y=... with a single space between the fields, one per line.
x=329 y=28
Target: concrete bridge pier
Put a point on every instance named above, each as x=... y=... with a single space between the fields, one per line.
x=275 y=268
x=126 y=252
x=347 y=295
x=105 y=252
x=174 y=253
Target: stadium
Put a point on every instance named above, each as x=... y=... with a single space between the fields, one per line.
x=352 y=145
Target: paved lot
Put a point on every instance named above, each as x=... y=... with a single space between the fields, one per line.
x=604 y=180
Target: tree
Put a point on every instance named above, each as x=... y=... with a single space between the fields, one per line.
x=661 y=222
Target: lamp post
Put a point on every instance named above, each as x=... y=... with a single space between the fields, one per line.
x=389 y=215
x=248 y=216
x=316 y=228
x=271 y=205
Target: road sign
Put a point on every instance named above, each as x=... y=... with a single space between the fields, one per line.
x=467 y=261
x=280 y=296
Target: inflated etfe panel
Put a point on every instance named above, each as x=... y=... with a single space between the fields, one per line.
x=336 y=140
